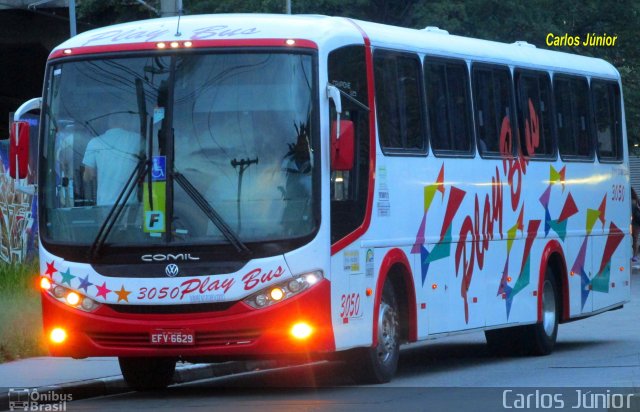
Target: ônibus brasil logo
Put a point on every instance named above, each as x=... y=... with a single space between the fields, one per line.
x=25 y=399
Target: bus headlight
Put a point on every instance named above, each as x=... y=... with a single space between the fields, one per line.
x=283 y=290
x=89 y=304
x=72 y=298
x=59 y=291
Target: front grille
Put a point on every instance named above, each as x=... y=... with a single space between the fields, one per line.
x=112 y=340
x=172 y=309
x=226 y=338
x=203 y=339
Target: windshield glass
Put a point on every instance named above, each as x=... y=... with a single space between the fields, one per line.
x=179 y=149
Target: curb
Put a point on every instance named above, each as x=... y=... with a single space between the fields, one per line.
x=113 y=385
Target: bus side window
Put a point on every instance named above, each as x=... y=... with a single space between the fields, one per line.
x=536 y=136
x=606 y=106
x=349 y=189
x=572 y=118
x=399 y=103
x=494 y=122
x=448 y=105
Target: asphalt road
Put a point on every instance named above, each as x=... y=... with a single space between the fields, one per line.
x=595 y=366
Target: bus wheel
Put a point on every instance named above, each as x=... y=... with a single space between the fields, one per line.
x=145 y=374
x=378 y=364
x=542 y=336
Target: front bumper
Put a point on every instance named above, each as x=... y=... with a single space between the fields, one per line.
x=238 y=331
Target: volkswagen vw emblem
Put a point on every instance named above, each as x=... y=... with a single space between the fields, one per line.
x=172 y=270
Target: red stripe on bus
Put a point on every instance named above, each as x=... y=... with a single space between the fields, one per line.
x=553 y=247
x=360 y=230
x=393 y=257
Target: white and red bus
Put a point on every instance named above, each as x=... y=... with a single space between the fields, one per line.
x=246 y=186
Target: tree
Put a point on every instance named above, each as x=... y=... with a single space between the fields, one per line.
x=99 y=13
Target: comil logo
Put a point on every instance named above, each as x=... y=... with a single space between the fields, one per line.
x=172 y=270
x=161 y=257
x=24 y=399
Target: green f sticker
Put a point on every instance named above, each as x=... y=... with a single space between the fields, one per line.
x=155 y=207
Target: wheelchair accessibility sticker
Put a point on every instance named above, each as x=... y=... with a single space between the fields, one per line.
x=155 y=201
x=159 y=168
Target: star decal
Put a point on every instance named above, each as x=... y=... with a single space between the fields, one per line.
x=51 y=269
x=67 y=277
x=123 y=294
x=84 y=283
x=103 y=290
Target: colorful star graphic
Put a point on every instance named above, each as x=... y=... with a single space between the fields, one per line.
x=51 y=269
x=103 y=290
x=84 y=283
x=123 y=294
x=67 y=277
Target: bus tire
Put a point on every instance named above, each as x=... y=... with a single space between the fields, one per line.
x=541 y=337
x=143 y=374
x=378 y=364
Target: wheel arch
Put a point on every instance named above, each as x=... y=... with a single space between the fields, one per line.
x=553 y=257
x=395 y=267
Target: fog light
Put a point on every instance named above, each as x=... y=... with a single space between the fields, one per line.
x=301 y=330
x=58 y=335
x=276 y=293
x=45 y=283
x=72 y=298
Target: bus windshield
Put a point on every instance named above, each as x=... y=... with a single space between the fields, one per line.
x=179 y=149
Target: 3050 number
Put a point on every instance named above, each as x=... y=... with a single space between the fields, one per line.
x=350 y=305
x=617 y=193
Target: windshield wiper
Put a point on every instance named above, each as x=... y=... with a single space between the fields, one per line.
x=142 y=111
x=213 y=216
x=141 y=168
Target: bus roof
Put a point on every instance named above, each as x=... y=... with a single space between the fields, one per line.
x=335 y=31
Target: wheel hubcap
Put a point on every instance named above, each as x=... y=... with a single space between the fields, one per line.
x=548 y=309
x=387 y=332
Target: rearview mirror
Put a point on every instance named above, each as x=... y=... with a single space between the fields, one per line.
x=19 y=150
x=342 y=150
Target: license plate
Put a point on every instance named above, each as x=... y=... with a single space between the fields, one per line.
x=173 y=337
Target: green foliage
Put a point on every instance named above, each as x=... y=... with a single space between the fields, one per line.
x=101 y=13
x=239 y=6
x=500 y=20
x=18 y=277
x=21 y=332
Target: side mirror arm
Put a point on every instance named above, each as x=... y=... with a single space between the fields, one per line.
x=333 y=93
x=32 y=104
